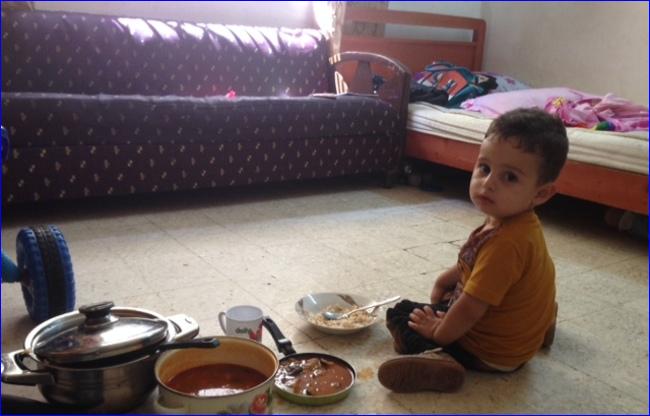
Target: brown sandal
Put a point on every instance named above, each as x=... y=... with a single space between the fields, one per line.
x=430 y=370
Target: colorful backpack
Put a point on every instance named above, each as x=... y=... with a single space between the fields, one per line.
x=458 y=82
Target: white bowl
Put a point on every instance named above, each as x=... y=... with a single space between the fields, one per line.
x=314 y=303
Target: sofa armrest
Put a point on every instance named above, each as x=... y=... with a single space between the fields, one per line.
x=373 y=74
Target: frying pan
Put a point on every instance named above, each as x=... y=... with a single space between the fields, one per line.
x=286 y=348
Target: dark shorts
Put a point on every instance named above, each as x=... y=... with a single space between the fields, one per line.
x=397 y=321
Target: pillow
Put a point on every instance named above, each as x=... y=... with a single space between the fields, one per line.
x=493 y=105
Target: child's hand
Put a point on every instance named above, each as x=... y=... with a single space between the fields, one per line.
x=425 y=321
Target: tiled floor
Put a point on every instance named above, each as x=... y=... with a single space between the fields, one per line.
x=198 y=253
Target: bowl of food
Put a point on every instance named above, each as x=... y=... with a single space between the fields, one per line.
x=313 y=306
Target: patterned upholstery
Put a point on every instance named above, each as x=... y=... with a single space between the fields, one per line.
x=91 y=54
x=99 y=105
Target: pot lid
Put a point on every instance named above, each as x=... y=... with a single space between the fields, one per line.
x=101 y=335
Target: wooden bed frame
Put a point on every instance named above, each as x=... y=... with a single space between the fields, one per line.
x=608 y=186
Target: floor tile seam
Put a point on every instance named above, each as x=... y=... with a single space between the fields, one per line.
x=600 y=379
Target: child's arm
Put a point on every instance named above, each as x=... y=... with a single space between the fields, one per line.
x=445 y=283
x=462 y=316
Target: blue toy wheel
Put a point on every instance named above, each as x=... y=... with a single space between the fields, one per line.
x=46 y=272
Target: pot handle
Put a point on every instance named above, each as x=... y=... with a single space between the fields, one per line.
x=187 y=327
x=206 y=342
x=15 y=372
x=283 y=343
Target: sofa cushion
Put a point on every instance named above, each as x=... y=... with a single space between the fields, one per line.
x=91 y=54
x=49 y=120
x=68 y=172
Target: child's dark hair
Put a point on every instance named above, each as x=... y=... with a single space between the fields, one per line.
x=536 y=132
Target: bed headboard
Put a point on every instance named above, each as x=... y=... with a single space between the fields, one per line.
x=417 y=53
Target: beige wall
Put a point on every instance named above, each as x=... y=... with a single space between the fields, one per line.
x=257 y=13
x=594 y=47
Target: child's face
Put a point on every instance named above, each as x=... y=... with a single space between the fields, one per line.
x=505 y=179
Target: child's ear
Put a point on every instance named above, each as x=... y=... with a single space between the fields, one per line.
x=544 y=193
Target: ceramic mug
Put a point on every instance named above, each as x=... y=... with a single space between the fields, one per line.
x=243 y=321
x=232 y=350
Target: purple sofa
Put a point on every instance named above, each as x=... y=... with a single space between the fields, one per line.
x=101 y=105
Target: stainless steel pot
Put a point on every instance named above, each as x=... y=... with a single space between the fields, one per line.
x=100 y=377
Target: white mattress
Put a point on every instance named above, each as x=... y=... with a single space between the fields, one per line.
x=625 y=151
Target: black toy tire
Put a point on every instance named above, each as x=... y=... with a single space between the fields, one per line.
x=47 y=278
x=66 y=265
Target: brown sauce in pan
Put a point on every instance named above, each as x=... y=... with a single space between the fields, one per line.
x=313 y=376
x=216 y=380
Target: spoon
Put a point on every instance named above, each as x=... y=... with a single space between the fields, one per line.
x=334 y=316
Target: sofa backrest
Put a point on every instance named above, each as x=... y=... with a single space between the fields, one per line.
x=90 y=54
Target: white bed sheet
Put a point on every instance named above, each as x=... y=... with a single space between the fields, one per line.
x=625 y=151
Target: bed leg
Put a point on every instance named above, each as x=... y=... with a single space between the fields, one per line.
x=391 y=178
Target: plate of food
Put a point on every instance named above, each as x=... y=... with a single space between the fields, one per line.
x=321 y=310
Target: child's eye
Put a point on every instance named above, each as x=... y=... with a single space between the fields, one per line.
x=483 y=168
x=511 y=177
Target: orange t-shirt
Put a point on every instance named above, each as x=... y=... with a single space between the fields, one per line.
x=510 y=269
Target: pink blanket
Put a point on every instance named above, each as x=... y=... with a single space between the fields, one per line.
x=606 y=113
x=575 y=108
